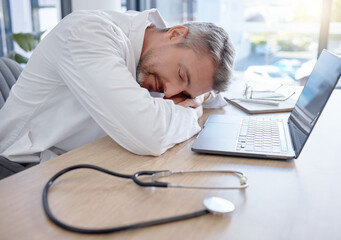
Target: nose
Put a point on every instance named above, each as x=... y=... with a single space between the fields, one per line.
x=171 y=89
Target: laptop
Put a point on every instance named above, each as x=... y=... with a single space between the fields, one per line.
x=273 y=138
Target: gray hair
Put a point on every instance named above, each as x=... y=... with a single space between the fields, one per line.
x=207 y=37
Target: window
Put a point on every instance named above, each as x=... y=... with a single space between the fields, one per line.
x=44 y=14
x=25 y=16
x=334 y=39
x=282 y=35
x=6 y=43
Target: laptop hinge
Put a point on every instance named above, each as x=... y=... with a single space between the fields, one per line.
x=296 y=144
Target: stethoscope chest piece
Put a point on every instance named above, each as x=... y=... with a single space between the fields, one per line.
x=217 y=205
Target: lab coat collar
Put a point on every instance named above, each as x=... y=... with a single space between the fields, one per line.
x=139 y=24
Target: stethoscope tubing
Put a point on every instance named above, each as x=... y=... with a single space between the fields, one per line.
x=134 y=177
x=48 y=211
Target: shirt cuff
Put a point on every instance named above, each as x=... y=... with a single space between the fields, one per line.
x=215 y=100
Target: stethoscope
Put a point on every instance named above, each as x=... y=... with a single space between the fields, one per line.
x=213 y=205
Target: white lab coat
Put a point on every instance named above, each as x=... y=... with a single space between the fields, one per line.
x=79 y=86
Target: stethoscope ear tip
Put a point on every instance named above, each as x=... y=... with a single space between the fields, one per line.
x=243 y=180
x=218 y=205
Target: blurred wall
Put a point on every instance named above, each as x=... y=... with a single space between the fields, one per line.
x=96 y=4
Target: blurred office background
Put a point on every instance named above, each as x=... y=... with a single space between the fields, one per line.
x=276 y=41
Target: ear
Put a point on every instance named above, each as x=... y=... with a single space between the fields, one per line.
x=178 y=32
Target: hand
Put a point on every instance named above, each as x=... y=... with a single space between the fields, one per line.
x=190 y=102
x=195 y=103
x=177 y=99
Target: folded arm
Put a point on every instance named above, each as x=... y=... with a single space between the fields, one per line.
x=96 y=70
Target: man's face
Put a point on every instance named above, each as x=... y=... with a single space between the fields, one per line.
x=176 y=71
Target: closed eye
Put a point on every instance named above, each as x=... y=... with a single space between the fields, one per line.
x=180 y=74
x=184 y=93
x=181 y=77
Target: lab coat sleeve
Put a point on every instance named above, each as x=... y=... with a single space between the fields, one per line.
x=94 y=67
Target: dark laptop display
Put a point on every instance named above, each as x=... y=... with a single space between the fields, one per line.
x=313 y=98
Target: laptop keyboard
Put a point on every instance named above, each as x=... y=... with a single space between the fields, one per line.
x=262 y=135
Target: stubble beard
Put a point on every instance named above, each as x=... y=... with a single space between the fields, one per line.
x=144 y=68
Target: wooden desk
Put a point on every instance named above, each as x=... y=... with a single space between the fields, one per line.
x=299 y=199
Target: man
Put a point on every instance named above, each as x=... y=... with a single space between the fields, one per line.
x=80 y=85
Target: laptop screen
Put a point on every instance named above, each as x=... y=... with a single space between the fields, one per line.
x=313 y=98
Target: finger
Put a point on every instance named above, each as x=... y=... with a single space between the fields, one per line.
x=178 y=99
x=191 y=102
x=188 y=103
